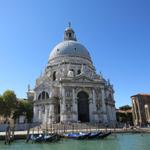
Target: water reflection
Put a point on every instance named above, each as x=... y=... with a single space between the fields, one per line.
x=113 y=142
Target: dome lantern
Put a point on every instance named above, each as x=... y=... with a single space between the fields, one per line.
x=69 y=33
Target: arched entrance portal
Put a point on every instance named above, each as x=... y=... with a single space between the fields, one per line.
x=57 y=111
x=83 y=107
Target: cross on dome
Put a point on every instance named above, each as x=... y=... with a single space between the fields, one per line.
x=69 y=23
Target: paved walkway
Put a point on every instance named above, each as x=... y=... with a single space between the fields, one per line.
x=117 y=130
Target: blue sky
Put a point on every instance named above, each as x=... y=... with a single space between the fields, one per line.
x=116 y=33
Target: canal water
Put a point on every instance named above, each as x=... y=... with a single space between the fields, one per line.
x=113 y=142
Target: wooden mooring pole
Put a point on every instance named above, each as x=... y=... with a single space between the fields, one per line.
x=8 y=134
x=28 y=132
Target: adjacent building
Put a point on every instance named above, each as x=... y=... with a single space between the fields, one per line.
x=124 y=116
x=141 y=109
x=70 y=90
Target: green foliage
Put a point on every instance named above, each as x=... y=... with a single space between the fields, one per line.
x=1 y=105
x=9 y=103
x=24 y=108
x=124 y=117
x=125 y=107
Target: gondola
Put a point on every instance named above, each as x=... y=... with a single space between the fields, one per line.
x=51 y=138
x=38 y=138
x=78 y=136
x=103 y=135
x=94 y=135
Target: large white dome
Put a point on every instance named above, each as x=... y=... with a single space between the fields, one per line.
x=70 y=47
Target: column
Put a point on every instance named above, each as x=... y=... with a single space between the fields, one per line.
x=92 y=106
x=139 y=113
x=148 y=114
x=40 y=114
x=51 y=112
x=111 y=114
x=104 y=106
x=63 y=106
x=108 y=113
x=74 y=106
x=114 y=114
x=36 y=113
x=134 y=112
x=46 y=113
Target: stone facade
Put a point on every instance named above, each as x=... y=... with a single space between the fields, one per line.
x=70 y=90
x=141 y=109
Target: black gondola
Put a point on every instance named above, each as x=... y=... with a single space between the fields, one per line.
x=51 y=138
x=79 y=136
x=38 y=138
x=103 y=135
x=94 y=135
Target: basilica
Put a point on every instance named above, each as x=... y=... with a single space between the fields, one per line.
x=70 y=90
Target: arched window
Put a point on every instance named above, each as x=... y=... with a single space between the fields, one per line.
x=43 y=95
x=79 y=71
x=54 y=75
x=69 y=34
x=47 y=96
x=39 y=97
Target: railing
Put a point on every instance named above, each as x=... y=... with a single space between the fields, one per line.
x=68 y=127
x=55 y=128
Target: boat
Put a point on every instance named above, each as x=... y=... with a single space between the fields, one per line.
x=94 y=135
x=103 y=135
x=37 y=138
x=79 y=135
x=51 y=138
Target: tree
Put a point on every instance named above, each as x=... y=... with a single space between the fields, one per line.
x=29 y=111
x=24 y=108
x=1 y=105
x=125 y=107
x=10 y=106
x=124 y=114
x=9 y=102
